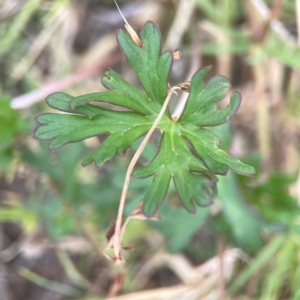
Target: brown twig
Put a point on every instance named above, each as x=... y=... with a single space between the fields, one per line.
x=116 y=286
x=277 y=27
x=262 y=33
x=117 y=237
x=197 y=282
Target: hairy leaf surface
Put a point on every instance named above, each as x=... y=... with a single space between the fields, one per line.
x=188 y=152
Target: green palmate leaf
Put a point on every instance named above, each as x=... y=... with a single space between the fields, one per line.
x=188 y=153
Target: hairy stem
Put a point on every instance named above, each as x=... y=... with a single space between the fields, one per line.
x=117 y=240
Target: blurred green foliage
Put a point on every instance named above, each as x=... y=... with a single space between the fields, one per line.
x=260 y=216
x=11 y=125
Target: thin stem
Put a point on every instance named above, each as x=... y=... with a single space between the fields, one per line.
x=180 y=24
x=277 y=27
x=117 y=241
x=272 y=16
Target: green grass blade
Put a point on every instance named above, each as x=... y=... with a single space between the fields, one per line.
x=258 y=263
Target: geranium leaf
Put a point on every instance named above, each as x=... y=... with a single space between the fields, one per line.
x=188 y=152
x=151 y=66
x=121 y=93
x=200 y=109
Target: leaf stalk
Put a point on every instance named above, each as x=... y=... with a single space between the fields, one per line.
x=117 y=236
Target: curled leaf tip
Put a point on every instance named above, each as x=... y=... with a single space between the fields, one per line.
x=176 y=55
x=185 y=86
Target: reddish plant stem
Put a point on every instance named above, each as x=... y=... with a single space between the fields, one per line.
x=117 y=240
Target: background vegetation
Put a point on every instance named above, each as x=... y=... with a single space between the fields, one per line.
x=54 y=213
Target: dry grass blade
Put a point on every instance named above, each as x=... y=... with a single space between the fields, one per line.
x=130 y=30
x=199 y=282
x=39 y=44
x=33 y=97
x=180 y=24
x=276 y=25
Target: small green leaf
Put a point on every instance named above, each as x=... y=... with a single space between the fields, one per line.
x=188 y=153
x=151 y=66
x=174 y=160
